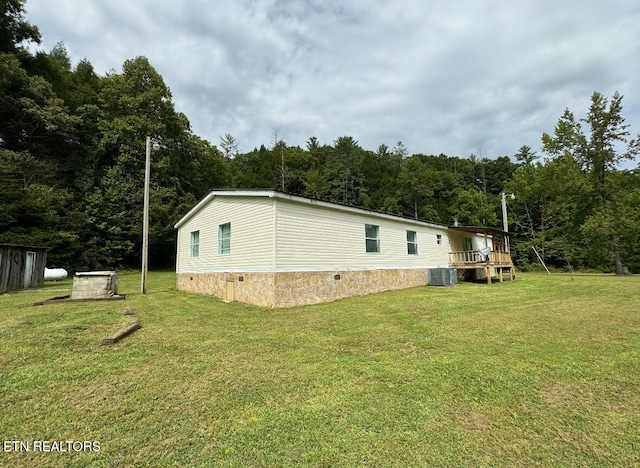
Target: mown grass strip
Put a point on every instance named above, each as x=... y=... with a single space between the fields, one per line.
x=544 y=371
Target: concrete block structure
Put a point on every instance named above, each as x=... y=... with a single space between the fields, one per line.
x=94 y=284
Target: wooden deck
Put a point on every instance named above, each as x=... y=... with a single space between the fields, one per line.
x=473 y=259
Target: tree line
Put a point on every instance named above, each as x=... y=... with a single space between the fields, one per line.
x=72 y=152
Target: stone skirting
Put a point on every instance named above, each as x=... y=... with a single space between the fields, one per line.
x=298 y=288
x=252 y=288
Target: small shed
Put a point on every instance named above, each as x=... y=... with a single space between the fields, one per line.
x=21 y=266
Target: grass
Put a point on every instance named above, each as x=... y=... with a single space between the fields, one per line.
x=544 y=371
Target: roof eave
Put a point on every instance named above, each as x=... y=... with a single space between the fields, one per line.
x=480 y=230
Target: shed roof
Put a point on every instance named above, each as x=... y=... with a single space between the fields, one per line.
x=25 y=246
x=480 y=230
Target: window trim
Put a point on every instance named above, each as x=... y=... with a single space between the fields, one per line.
x=194 y=244
x=412 y=243
x=222 y=250
x=368 y=239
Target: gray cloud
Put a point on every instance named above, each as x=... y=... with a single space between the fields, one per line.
x=451 y=77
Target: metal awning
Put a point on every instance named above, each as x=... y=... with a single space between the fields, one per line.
x=487 y=231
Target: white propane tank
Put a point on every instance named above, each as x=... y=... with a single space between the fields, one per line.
x=54 y=274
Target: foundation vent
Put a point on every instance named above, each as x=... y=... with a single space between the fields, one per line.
x=443 y=276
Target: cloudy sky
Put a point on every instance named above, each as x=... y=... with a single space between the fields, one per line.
x=457 y=77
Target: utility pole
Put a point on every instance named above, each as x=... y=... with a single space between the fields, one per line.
x=505 y=222
x=145 y=216
x=282 y=164
x=277 y=142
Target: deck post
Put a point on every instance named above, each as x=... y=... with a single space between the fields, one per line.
x=500 y=272
x=488 y=274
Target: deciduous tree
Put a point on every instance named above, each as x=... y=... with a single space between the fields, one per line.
x=598 y=153
x=14 y=29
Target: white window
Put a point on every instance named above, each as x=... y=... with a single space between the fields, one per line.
x=372 y=237
x=224 y=239
x=195 y=244
x=412 y=243
x=439 y=239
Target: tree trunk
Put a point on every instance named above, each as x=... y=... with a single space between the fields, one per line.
x=621 y=270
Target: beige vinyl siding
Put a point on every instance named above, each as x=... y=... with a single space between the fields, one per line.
x=252 y=227
x=477 y=241
x=456 y=242
x=319 y=238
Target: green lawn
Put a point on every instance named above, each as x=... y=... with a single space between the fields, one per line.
x=544 y=371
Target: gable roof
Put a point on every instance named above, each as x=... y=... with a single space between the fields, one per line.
x=269 y=193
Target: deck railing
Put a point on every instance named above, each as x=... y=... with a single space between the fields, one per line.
x=474 y=257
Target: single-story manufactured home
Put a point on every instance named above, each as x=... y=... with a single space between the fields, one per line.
x=21 y=267
x=273 y=249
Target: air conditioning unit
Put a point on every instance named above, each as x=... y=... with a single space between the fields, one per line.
x=442 y=276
